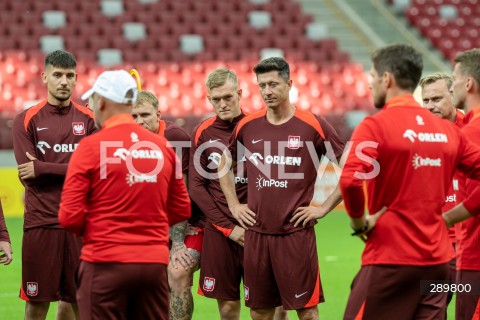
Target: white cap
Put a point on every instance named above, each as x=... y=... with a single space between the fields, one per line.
x=114 y=86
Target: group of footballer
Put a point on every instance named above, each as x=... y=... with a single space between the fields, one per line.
x=250 y=179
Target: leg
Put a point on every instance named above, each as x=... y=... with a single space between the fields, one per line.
x=280 y=314
x=36 y=310
x=308 y=313
x=262 y=314
x=180 y=282
x=65 y=311
x=229 y=310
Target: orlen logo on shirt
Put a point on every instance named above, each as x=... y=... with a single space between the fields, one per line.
x=425 y=136
x=271 y=183
x=59 y=147
x=280 y=160
x=418 y=162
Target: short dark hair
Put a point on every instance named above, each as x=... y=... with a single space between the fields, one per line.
x=401 y=60
x=273 y=64
x=470 y=63
x=60 y=59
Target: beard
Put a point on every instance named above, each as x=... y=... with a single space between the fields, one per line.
x=62 y=98
x=379 y=102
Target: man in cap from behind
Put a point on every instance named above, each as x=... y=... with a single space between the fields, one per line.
x=123 y=270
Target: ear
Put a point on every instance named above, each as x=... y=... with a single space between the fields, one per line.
x=387 y=79
x=44 y=77
x=159 y=115
x=239 y=92
x=290 y=83
x=471 y=84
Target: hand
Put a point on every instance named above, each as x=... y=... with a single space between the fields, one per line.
x=238 y=235
x=6 y=249
x=191 y=231
x=27 y=170
x=244 y=215
x=372 y=221
x=179 y=255
x=307 y=214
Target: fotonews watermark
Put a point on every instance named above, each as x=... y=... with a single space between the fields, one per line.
x=273 y=159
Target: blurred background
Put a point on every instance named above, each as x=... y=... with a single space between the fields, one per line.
x=174 y=44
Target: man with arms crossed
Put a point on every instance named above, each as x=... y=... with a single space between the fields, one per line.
x=123 y=269
x=437 y=98
x=466 y=96
x=186 y=249
x=44 y=138
x=406 y=157
x=283 y=145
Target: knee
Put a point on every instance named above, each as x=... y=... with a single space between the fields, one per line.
x=229 y=309
x=179 y=279
x=36 y=310
x=308 y=314
x=262 y=314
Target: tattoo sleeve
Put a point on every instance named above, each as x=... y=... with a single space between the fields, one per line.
x=177 y=232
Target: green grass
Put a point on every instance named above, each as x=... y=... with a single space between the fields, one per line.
x=339 y=256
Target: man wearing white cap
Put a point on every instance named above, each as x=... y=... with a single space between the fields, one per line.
x=123 y=270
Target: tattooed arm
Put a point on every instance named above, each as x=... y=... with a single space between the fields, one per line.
x=179 y=253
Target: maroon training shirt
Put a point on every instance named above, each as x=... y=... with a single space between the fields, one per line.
x=3 y=227
x=282 y=165
x=213 y=134
x=50 y=134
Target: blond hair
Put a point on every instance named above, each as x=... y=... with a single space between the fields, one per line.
x=435 y=77
x=147 y=97
x=220 y=76
x=469 y=63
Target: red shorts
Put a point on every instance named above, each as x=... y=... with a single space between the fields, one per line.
x=50 y=258
x=123 y=291
x=221 y=267
x=394 y=292
x=282 y=270
x=195 y=241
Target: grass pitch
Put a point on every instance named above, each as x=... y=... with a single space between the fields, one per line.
x=338 y=252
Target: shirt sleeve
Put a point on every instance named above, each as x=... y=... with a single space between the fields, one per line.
x=198 y=187
x=333 y=139
x=3 y=227
x=23 y=142
x=357 y=167
x=469 y=165
x=178 y=202
x=72 y=211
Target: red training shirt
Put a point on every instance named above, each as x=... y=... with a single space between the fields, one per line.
x=116 y=201
x=3 y=227
x=468 y=231
x=417 y=154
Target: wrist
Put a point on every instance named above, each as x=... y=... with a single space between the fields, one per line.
x=362 y=229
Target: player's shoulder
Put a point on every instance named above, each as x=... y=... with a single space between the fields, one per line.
x=174 y=132
x=26 y=116
x=249 y=118
x=82 y=109
x=202 y=128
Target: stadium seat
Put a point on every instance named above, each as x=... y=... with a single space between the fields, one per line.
x=54 y=19
x=49 y=43
x=111 y=8
x=134 y=31
x=448 y=11
x=271 y=52
x=109 y=57
x=316 y=31
x=260 y=19
x=191 y=43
